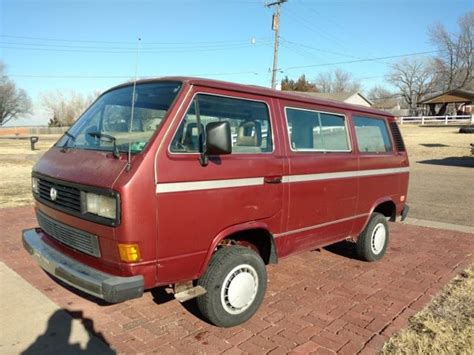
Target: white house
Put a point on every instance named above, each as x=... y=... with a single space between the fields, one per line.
x=355 y=98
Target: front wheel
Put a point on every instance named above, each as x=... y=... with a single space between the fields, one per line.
x=235 y=280
x=373 y=241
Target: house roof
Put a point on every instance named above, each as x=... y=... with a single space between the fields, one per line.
x=337 y=96
x=386 y=103
x=259 y=90
x=456 y=95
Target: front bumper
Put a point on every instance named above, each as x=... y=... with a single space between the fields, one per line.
x=110 y=288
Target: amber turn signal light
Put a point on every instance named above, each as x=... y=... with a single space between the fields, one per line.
x=129 y=253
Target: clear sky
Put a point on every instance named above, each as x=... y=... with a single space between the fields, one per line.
x=90 y=45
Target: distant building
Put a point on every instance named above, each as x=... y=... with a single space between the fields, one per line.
x=452 y=102
x=392 y=105
x=355 y=98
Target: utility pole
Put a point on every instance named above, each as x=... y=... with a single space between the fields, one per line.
x=276 y=28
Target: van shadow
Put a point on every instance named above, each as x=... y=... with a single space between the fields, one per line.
x=466 y=162
x=344 y=248
x=55 y=339
x=161 y=296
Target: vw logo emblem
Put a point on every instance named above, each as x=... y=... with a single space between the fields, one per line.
x=53 y=193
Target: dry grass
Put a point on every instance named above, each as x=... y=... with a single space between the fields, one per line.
x=445 y=326
x=16 y=162
x=14 y=146
x=454 y=144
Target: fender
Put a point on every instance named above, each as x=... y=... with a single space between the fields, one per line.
x=374 y=206
x=235 y=229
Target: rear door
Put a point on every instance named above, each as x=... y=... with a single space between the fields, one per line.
x=196 y=203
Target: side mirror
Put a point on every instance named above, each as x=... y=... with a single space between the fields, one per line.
x=218 y=138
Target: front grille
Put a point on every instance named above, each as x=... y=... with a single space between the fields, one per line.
x=72 y=237
x=397 y=136
x=67 y=198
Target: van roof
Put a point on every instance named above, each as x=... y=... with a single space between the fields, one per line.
x=260 y=90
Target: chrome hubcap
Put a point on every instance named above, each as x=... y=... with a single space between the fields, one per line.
x=239 y=289
x=379 y=235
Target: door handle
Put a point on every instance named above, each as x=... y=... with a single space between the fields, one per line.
x=273 y=179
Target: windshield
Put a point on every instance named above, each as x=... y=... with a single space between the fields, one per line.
x=107 y=125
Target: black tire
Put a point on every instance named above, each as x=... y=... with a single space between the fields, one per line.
x=373 y=241
x=466 y=129
x=216 y=305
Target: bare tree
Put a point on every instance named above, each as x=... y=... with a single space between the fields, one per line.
x=414 y=79
x=337 y=81
x=454 y=65
x=382 y=97
x=380 y=93
x=66 y=108
x=13 y=101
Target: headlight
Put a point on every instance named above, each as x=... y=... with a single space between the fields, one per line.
x=100 y=205
x=35 y=184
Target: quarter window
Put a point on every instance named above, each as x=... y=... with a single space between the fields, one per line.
x=249 y=122
x=316 y=131
x=372 y=135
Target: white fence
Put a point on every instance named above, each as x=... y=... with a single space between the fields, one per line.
x=461 y=119
x=31 y=130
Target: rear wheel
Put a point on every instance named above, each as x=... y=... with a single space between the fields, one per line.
x=235 y=281
x=373 y=241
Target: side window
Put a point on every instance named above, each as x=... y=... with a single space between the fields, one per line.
x=249 y=122
x=316 y=131
x=372 y=135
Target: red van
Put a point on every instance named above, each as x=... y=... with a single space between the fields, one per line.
x=199 y=184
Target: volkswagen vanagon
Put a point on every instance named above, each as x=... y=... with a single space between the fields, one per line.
x=199 y=184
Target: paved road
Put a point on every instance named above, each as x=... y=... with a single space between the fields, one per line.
x=322 y=301
x=442 y=193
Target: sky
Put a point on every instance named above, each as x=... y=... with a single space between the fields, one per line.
x=87 y=46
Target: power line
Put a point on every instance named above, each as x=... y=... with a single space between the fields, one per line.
x=328 y=51
x=55 y=46
x=69 y=40
x=361 y=60
x=178 y=50
x=46 y=76
x=309 y=25
x=300 y=51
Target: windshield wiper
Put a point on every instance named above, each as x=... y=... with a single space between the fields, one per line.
x=66 y=144
x=107 y=138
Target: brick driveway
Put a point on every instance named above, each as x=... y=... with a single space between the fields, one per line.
x=323 y=301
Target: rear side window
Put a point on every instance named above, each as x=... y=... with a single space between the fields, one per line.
x=249 y=122
x=316 y=131
x=372 y=135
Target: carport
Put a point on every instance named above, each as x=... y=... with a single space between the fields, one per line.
x=453 y=102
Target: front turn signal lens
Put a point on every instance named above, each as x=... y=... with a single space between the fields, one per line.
x=129 y=253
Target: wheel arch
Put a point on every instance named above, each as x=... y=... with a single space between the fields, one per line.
x=250 y=234
x=385 y=206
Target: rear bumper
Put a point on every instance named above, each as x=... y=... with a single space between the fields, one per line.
x=110 y=288
x=405 y=210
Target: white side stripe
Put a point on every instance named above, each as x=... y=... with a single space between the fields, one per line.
x=344 y=174
x=207 y=185
x=256 y=181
